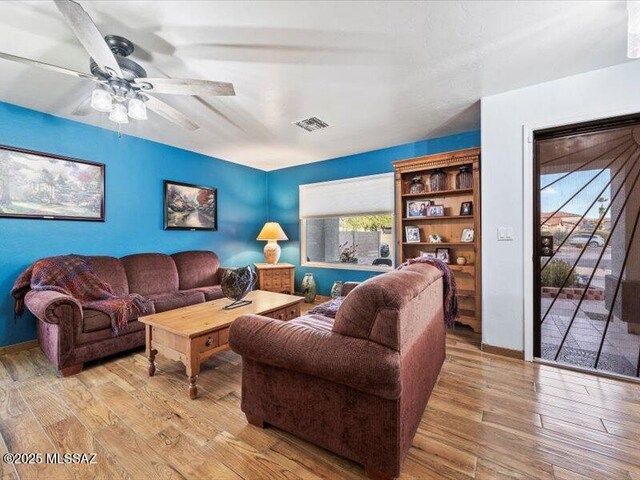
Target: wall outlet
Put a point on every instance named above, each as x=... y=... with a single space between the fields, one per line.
x=505 y=234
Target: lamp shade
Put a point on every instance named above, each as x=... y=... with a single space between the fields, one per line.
x=272 y=231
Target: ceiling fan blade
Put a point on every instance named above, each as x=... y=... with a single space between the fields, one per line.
x=170 y=113
x=90 y=37
x=46 y=66
x=178 y=86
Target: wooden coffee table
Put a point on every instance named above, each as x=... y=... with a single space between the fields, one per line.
x=193 y=334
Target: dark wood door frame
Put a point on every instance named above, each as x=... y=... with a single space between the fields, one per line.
x=545 y=134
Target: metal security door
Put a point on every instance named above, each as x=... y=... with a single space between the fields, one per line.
x=587 y=265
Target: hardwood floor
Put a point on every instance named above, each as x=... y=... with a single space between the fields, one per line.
x=489 y=417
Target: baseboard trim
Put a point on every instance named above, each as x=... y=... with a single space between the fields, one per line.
x=18 y=347
x=505 y=352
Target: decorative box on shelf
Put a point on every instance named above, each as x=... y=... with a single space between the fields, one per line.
x=438 y=198
x=279 y=277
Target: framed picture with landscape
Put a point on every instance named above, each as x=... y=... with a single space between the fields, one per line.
x=190 y=207
x=51 y=187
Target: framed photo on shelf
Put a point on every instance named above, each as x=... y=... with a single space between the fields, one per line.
x=466 y=209
x=435 y=211
x=467 y=235
x=412 y=233
x=417 y=208
x=428 y=254
x=443 y=254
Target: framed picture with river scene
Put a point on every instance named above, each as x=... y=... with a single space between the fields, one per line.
x=50 y=187
x=190 y=207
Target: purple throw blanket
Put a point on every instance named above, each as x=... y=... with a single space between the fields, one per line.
x=450 y=288
x=72 y=275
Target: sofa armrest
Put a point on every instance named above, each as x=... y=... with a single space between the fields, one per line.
x=48 y=305
x=354 y=362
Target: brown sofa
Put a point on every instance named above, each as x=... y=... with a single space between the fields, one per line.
x=70 y=335
x=357 y=386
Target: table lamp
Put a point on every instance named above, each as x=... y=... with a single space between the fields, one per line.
x=272 y=232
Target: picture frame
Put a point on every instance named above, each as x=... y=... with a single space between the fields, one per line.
x=435 y=238
x=467 y=235
x=443 y=254
x=428 y=254
x=412 y=234
x=417 y=208
x=190 y=207
x=435 y=211
x=466 y=209
x=44 y=186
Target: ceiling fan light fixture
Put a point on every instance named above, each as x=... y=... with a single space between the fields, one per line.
x=101 y=100
x=119 y=113
x=633 y=29
x=137 y=109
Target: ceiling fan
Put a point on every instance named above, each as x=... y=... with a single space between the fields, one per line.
x=124 y=91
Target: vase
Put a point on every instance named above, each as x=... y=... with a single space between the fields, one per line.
x=309 y=288
x=336 y=289
x=464 y=178
x=237 y=282
x=438 y=180
x=417 y=185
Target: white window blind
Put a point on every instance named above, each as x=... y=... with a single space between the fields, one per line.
x=351 y=196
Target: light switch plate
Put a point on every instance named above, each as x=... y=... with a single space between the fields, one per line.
x=505 y=234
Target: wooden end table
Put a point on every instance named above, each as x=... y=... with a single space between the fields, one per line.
x=193 y=334
x=279 y=277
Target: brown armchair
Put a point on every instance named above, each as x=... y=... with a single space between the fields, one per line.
x=357 y=386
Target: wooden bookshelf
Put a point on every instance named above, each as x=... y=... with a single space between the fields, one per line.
x=449 y=226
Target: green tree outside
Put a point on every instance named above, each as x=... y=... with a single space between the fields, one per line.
x=366 y=223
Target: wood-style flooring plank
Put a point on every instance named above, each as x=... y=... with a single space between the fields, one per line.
x=22 y=433
x=489 y=417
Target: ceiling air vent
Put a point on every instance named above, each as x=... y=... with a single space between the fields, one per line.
x=311 y=124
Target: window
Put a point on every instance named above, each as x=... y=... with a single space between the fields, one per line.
x=363 y=240
x=348 y=224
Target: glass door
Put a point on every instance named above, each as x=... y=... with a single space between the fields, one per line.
x=587 y=265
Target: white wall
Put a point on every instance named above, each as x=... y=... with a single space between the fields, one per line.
x=506 y=183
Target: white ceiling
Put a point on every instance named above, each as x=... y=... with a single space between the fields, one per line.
x=380 y=73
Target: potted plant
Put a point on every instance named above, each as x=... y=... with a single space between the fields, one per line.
x=348 y=253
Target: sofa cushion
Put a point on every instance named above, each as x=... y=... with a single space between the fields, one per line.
x=197 y=269
x=103 y=339
x=94 y=320
x=151 y=273
x=210 y=293
x=110 y=270
x=371 y=310
x=169 y=301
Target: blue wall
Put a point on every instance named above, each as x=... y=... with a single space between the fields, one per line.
x=135 y=170
x=283 y=194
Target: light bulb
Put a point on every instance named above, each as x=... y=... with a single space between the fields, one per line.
x=101 y=100
x=137 y=109
x=119 y=113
